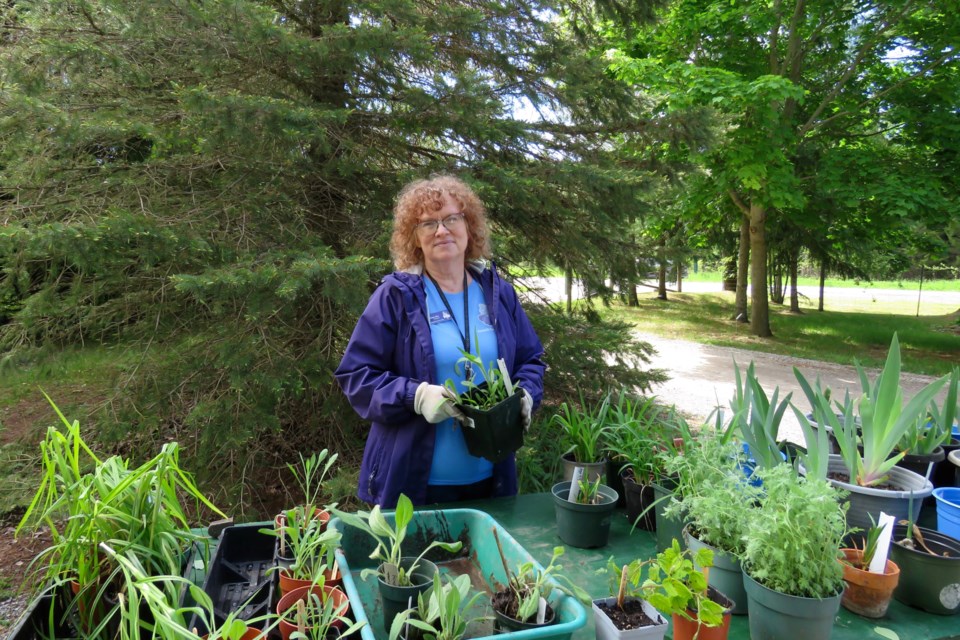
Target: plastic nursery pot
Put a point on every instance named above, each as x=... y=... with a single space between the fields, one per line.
x=498 y=431
x=288 y=583
x=726 y=575
x=779 y=615
x=638 y=498
x=396 y=599
x=591 y=470
x=867 y=594
x=290 y=600
x=585 y=526
x=948 y=511
x=928 y=582
x=684 y=629
x=608 y=629
x=504 y=623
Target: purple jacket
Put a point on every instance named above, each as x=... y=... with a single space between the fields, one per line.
x=391 y=352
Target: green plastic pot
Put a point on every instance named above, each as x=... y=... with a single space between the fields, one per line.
x=585 y=526
x=780 y=616
x=667 y=529
x=397 y=599
x=726 y=575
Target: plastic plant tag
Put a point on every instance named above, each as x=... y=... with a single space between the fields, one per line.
x=879 y=561
x=542 y=610
x=506 y=376
x=390 y=573
x=575 y=484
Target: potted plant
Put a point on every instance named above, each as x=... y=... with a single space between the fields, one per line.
x=634 y=437
x=584 y=520
x=311 y=546
x=791 y=575
x=309 y=476
x=677 y=587
x=92 y=504
x=517 y=606
x=867 y=592
x=492 y=406
x=884 y=420
x=627 y=615
x=716 y=503
x=757 y=421
x=582 y=437
x=440 y=612
x=400 y=578
x=929 y=564
x=923 y=443
x=311 y=613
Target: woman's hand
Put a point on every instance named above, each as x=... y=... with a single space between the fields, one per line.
x=436 y=403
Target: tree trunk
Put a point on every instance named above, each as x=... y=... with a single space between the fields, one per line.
x=679 y=264
x=662 y=274
x=568 y=288
x=794 y=267
x=632 y=299
x=743 y=270
x=760 y=307
x=823 y=277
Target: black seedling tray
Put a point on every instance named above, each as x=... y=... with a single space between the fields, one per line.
x=238 y=577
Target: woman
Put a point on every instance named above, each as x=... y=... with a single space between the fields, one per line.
x=441 y=300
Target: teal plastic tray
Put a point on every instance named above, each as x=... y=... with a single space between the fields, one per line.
x=479 y=559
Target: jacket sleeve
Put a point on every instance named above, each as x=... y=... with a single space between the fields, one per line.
x=528 y=364
x=377 y=393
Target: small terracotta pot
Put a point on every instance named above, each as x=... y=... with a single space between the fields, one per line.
x=290 y=599
x=280 y=520
x=684 y=629
x=867 y=594
x=288 y=583
x=249 y=634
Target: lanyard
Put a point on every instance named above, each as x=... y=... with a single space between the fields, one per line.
x=464 y=335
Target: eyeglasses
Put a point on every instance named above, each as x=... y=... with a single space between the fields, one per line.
x=429 y=227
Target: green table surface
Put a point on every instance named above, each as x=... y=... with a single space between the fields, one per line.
x=530 y=519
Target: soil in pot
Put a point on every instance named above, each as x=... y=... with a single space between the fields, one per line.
x=631 y=616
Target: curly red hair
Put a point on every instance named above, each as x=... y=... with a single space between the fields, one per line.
x=426 y=196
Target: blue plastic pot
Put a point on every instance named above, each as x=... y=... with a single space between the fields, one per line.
x=948 y=511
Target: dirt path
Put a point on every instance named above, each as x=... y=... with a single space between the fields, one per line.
x=702 y=378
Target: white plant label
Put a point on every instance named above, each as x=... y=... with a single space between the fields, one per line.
x=542 y=610
x=506 y=376
x=879 y=562
x=575 y=484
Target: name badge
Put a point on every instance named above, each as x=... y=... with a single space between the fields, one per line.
x=440 y=316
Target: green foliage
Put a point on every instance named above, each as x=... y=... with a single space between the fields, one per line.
x=675 y=586
x=529 y=584
x=389 y=540
x=439 y=611
x=883 y=419
x=795 y=535
x=637 y=433
x=492 y=389
x=583 y=429
x=716 y=497
x=756 y=418
x=936 y=428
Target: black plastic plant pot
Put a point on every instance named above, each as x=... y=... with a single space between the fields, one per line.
x=397 y=599
x=928 y=582
x=505 y=624
x=497 y=432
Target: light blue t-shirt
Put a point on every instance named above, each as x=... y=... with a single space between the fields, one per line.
x=452 y=463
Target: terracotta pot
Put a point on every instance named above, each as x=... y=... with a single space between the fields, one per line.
x=249 y=634
x=867 y=594
x=280 y=520
x=290 y=600
x=288 y=583
x=684 y=629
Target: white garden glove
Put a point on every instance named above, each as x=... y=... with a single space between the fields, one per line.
x=436 y=404
x=526 y=409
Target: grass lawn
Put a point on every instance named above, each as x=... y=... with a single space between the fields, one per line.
x=929 y=344
x=905 y=285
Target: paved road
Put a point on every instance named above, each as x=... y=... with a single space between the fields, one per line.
x=702 y=376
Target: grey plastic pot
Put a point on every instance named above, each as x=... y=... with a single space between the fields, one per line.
x=585 y=526
x=867 y=501
x=726 y=576
x=779 y=616
x=668 y=529
x=592 y=470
